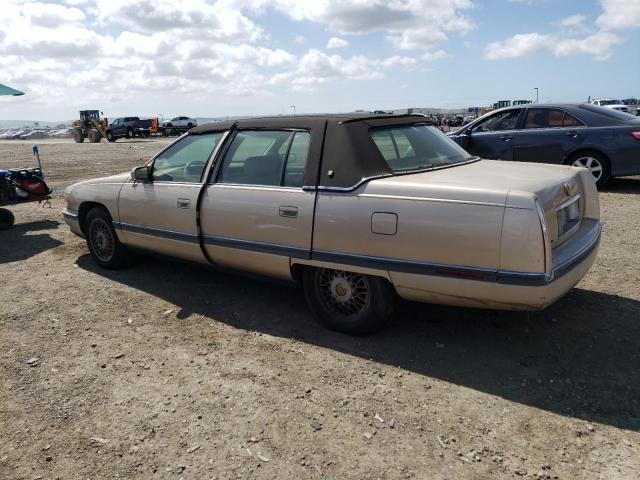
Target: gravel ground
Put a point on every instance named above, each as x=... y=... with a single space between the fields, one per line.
x=168 y=370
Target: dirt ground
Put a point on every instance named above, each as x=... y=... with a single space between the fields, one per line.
x=168 y=370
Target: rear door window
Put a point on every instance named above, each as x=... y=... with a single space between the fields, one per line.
x=550 y=118
x=270 y=158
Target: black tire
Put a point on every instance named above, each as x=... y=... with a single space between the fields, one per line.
x=95 y=136
x=189 y=125
x=129 y=133
x=6 y=219
x=351 y=303
x=110 y=137
x=594 y=161
x=78 y=136
x=103 y=243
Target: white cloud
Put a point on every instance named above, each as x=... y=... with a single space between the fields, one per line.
x=618 y=14
x=50 y=14
x=573 y=20
x=335 y=42
x=431 y=56
x=573 y=40
x=316 y=68
x=408 y=24
x=598 y=46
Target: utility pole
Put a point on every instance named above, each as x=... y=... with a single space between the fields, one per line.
x=536 y=89
x=294 y=109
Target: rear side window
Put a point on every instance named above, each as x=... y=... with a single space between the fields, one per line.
x=571 y=121
x=417 y=147
x=271 y=158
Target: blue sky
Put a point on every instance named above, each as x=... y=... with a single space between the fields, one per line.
x=244 y=57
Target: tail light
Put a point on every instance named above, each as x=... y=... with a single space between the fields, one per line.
x=636 y=135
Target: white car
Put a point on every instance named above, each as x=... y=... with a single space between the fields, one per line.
x=180 y=122
x=611 y=103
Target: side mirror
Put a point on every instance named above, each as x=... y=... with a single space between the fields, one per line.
x=464 y=138
x=141 y=174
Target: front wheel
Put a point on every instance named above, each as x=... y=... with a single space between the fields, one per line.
x=110 y=137
x=596 y=163
x=348 y=302
x=103 y=243
x=6 y=219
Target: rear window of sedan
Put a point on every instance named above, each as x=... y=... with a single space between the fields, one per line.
x=417 y=147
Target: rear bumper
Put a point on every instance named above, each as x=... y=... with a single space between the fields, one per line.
x=72 y=219
x=510 y=290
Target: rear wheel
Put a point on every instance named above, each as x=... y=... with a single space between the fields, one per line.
x=78 y=136
x=348 y=302
x=596 y=163
x=129 y=133
x=6 y=219
x=103 y=243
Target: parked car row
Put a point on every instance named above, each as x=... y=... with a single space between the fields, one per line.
x=604 y=140
x=357 y=209
x=130 y=127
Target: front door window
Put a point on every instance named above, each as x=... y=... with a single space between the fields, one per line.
x=185 y=160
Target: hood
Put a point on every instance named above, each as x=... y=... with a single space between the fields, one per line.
x=118 y=179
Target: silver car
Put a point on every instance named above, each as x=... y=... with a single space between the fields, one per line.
x=357 y=209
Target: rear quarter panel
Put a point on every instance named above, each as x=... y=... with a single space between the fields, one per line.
x=438 y=231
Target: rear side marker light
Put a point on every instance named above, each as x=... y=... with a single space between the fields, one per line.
x=636 y=135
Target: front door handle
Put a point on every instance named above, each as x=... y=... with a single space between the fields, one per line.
x=184 y=203
x=506 y=138
x=572 y=134
x=289 y=212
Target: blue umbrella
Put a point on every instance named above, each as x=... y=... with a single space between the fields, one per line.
x=4 y=90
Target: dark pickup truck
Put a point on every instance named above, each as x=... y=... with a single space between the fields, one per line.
x=128 y=127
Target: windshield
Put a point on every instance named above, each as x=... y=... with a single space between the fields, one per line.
x=610 y=102
x=417 y=147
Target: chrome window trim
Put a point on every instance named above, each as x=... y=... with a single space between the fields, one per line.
x=245 y=186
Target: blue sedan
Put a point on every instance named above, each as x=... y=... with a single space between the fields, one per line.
x=605 y=141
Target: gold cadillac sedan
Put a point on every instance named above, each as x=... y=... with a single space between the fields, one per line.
x=357 y=209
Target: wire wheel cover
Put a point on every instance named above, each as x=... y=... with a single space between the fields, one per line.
x=102 y=239
x=343 y=293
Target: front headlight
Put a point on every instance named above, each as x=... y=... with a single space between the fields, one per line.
x=568 y=215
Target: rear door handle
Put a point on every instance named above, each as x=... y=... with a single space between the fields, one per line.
x=572 y=134
x=506 y=138
x=289 y=212
x=184 y=203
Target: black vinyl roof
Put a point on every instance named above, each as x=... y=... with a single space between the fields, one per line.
x=341 y=145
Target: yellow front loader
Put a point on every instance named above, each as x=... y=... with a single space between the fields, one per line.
x=90 y=126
